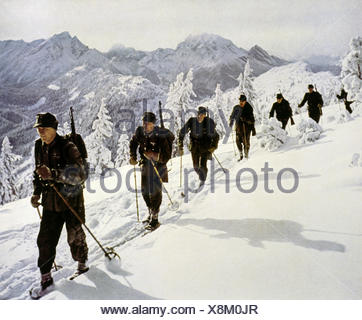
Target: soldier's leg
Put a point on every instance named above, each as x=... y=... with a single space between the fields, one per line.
x=247 y=141
x=50 y=229
x=76 y=236
x=239 y=143
x=284 y=123
x=155 y=196
x=196 y=161
x=203 y=167
x=145 y=184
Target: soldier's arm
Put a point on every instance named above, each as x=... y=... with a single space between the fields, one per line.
x=37 y=185
x=272 y=110
x=133 y=144
x=183 y=131
x=303 y=101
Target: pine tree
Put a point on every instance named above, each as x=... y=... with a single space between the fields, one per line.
x=98 y=154
x=352 y=70
x=241 y=83
x=122 y=149
x=8 y=179
x=65 y=129
x=249 y=90
x=219 y=103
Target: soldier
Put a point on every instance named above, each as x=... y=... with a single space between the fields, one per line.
x=283 y=111
x=155 y=148
x=315 y=103
x=59 y=163
x=343 y=96
x=243 y=116
x=204 y=141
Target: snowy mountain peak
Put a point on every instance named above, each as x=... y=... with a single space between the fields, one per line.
x=206 y=40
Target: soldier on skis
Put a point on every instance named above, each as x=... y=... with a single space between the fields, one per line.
x=58 y=165
x=315 y=103
x=243 y=116
x=155 y=148
x=283 y=111
x=204 y=140
x=343 y=96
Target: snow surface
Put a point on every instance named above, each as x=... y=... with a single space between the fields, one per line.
x=259 y=245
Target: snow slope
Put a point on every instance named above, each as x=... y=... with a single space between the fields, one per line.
x=219 y=245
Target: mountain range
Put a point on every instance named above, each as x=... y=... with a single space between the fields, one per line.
x=53 y=74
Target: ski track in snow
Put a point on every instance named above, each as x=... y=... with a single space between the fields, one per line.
x=113 y=220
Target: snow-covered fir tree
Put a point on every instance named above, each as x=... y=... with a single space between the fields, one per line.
x=309 y=131
x=219 y=110
x=352 y=70
x=272 y=136
x=174 y=103
x=249 y=90
x=122 y=149
x=65 y=129
x=8 y=179
x=179 y=102
x=99 y=156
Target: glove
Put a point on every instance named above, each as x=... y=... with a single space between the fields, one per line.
x=44 y=172
x=132 y=161
x=212 y=149
x=152 y=155
x=35 y=200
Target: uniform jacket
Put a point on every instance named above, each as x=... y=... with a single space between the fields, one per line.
x=282 y=110
x=313 y=99
x=243 y=116
x=159 y=141
x=203 y=135
x=68 y=173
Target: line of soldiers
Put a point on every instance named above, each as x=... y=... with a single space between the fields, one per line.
x=59 y=166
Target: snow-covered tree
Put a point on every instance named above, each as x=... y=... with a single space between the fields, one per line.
x=8 y=178
x=240 y=80
x=309 y=131
x=122 y=149
x=272 y=136
x=65 y=129
x=219 y=104
x=248 y=88
x=352 y=70
x=179 y=101
x=99 y=156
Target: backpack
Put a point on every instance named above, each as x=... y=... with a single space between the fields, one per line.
x=79 y=142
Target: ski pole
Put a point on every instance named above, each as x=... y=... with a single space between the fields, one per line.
x=180 y=171
x=107 y=254
x=54 y=264
x=135 y=183
x=219 y=162
x=174 y=205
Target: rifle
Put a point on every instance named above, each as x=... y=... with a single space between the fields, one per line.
x=160 y=111
x=78 y=141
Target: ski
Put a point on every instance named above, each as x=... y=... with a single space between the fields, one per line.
x=78 y=273
x=37 y=292
x=150 y=229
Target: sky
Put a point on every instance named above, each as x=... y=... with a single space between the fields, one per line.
x=288 y=28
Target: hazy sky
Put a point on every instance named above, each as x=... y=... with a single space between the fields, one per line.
x=288 y=28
